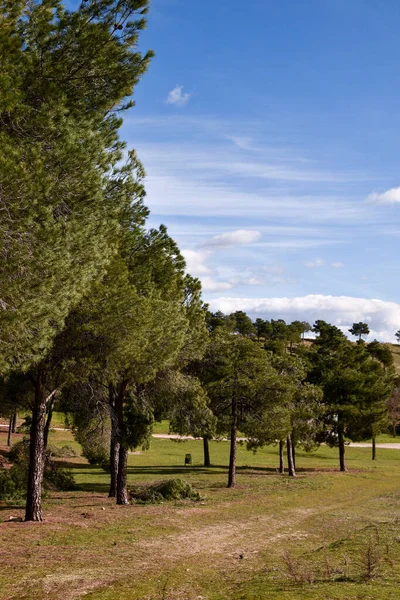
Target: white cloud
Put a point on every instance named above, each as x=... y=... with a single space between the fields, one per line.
x=382 y=317
x=177 y=98
x=314 y=264
x=247 y=281
x=391 y=196
x=234 y=238
x=195 y=262
x=196 y=259
x=318 y=262
x=209 y=284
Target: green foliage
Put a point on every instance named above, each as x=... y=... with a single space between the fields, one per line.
x=218 y=319
x=359 y=329
x=355 y=385
x=15 y=394
x=64 y=452
x=13 y=483
x=275 y=346
x=241 y=383
x=138 y=422
x=58 y=478
x=88 y=410
x=65 y=194
x=95 y=444
x=381 y=352
x=189 y=412
x=169 y=489
x=19 y=452
x=243 y=324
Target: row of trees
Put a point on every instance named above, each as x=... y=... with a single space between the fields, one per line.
x=87 y=295
x=330 y=391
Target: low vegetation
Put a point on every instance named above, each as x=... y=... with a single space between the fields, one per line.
x=322 y=534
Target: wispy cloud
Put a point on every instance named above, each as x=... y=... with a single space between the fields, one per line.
x=391 y=196
x=382 y=317
x=239 y=237
x=318 y=262
x=177 y=98
x=241 y=141
x=197 y=259
x=314 y=264
x=210 y=284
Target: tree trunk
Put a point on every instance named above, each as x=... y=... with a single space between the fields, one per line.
x=281 y=460
x=373 y=448
x=291 y=469
x=10 y=426
x=232 y=455
x=394 y=430
x=206 y=448
x=114 y=458
x=343 y=467
x=14 y=422
x=293 y=453
x=114 y=444
x=33 y=510
x=48 y=422
x=122 y=492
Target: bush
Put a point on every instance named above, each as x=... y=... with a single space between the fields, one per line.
x=169 y=489
x=95 y=446
x=64 y=452
x=13 y=483
x=25 y=426
x=19 y=453
x=57 y=478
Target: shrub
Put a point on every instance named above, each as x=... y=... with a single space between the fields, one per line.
x=58 y=478
x=13 y=483
x=169 y=489
x=19 y=453
x=95 y=446
x=64 y=452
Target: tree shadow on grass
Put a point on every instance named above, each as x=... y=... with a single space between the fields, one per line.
x=65 y=464
x=11 y=507
x=175 y=470
x=101 y=488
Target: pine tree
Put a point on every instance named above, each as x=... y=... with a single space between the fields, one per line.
x=64 y=196
x=355 y=386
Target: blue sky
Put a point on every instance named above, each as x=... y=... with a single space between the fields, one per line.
x=268 y=131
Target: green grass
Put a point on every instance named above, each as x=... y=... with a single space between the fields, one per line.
x=161 y=427
x=271 y=537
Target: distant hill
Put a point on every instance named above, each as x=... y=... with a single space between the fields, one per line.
x=395 y=348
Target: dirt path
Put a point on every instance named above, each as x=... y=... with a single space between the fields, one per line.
x=169 y=436
x=389 y=446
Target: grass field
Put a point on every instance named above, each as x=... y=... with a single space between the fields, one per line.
x=322 y=535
